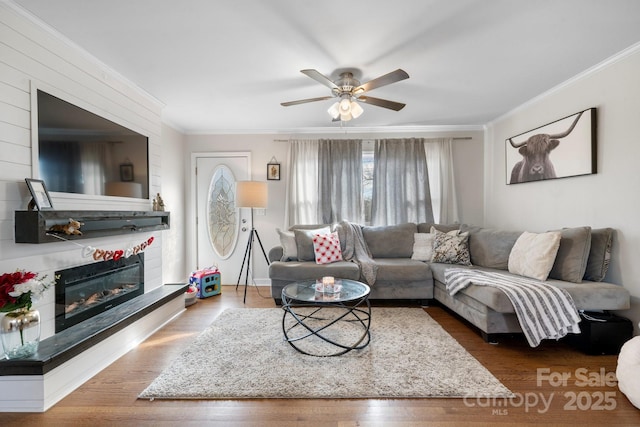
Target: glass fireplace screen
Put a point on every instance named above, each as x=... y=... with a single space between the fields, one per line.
x=85 y=291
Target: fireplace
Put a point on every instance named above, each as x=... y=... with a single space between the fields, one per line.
x=85 y=291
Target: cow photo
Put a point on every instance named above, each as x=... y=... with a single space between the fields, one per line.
x=566 y=147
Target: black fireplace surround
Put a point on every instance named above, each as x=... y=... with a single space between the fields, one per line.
x=87 y=290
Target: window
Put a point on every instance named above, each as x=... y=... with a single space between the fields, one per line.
x=308 y=204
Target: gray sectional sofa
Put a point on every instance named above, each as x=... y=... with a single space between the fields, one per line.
x=579 y=267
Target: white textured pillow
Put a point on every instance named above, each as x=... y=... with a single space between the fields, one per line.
x=533 y=254
x=423 y=246
x=289 y=247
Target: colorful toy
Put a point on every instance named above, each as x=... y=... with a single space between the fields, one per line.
x=207 y=281
x=190 y=296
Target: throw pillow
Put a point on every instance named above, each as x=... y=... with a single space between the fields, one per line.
x=572 y=256
x=327 y=248
x=304 y=242
x=288 y=243
x=423 y=246
x=533 y=254
x=425 y=227
x=451 y=247
x=599 y=255
x=490 y=247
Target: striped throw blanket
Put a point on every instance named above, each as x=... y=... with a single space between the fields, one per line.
x=543 y=310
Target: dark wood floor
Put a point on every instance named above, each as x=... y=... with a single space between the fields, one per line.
x=110 y=398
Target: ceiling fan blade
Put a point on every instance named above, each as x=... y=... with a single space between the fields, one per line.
x=385 y=103
x=387 y=79
x=320 y=78
x=304 y=101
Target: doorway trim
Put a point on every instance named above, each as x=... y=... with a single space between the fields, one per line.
x=192 y=228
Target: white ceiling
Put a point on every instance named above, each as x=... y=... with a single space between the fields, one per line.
x=225 y=66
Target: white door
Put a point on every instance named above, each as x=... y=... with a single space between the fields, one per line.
x=222 y=229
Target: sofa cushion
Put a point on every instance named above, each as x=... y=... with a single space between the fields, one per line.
x=490 y=247
x=401 y=270
x=304 y=242
x=451 y=247
x=423 y=246
x=425 y=227
x=390 y=241
x=572 y=256
x=327 y=248
x=288 y=243
x=533 y=254
x=586 y=295
x=293 y=271
x=599 y=254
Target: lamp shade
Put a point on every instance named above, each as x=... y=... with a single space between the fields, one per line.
x=345 y=106
x=356 y=109
x=334 y=110
x=251 y=194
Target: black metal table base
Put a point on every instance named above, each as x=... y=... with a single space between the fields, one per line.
x=317 y=320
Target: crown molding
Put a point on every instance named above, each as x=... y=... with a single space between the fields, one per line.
x=345 y=130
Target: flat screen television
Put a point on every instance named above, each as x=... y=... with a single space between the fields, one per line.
x=81 y=152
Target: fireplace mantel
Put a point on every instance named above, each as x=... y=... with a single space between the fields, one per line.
x=34 y=226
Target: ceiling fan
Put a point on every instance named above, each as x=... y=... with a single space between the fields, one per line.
x=349 y=90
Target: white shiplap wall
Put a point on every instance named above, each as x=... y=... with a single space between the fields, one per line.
x=34 y=56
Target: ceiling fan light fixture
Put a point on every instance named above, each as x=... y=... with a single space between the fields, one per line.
x=345 y=105
x=334 y=110
x=356 y=109
x=349 y=89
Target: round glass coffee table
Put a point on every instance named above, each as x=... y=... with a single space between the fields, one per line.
x=323 y=324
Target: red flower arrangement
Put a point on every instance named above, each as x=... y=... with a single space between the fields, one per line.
x=20 y=290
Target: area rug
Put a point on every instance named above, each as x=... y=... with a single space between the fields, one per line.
x=242 y=354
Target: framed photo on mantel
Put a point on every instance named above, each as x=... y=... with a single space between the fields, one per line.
x=40 y=195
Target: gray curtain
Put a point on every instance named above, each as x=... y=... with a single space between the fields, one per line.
x=340 y=181
x=400 y=182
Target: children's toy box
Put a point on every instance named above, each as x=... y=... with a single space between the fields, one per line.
x=207 y=281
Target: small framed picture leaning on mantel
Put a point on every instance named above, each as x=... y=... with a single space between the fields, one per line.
x=40 y=195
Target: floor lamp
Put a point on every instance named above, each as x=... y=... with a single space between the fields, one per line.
x=250 y=194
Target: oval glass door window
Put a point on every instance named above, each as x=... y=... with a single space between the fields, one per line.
x=222 y=212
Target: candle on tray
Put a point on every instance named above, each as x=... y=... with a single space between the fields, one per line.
x=327 y=283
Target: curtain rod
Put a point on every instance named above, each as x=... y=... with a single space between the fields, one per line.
x=458 y=138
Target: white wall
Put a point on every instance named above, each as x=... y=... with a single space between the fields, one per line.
x=609 y=198
x=33 y=55
x=174 y=195
x=468 y=155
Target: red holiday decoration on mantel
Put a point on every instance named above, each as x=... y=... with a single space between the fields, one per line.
x=106 y=255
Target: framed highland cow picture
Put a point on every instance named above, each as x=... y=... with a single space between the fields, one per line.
x=561 y=149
